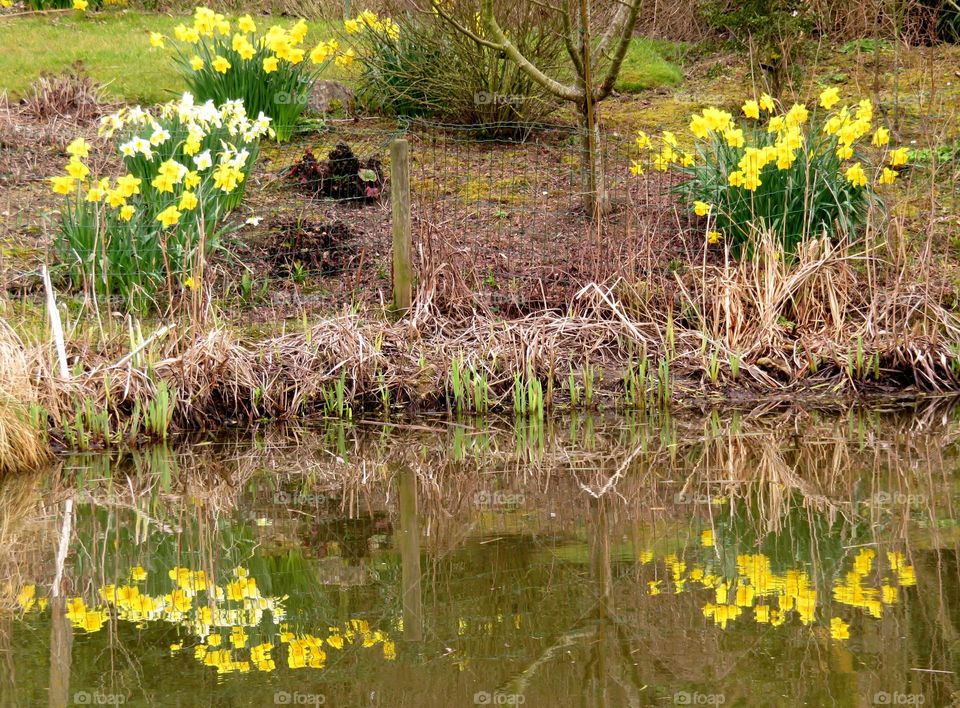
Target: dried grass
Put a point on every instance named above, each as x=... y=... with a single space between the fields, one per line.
x=72 y=96
x=22 y=445
x=825 y=324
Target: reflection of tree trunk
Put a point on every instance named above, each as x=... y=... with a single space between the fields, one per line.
x=410 y=556
x=600 y=569
x=61 y=645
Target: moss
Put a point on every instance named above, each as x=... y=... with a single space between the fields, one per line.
x=501 y=191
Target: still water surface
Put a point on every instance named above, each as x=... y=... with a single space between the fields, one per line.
x=747 y=558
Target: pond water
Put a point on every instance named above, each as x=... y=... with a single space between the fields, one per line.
x=747 y=558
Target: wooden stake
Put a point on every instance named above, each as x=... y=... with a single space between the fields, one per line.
x=55 y=324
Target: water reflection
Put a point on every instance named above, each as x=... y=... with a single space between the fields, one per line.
x=756 y=558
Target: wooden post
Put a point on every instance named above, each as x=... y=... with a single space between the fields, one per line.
x=402 y=225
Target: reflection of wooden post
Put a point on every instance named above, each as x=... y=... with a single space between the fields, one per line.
x=402 y=225
x=61 y=645
x=61 y=634
x=410 y=556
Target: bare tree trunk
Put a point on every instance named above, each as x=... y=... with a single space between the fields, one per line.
x=596 y=200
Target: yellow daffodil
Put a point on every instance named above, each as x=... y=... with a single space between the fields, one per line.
x=128 y=185
x=636 y=169
x=196 y=63
x=78 y=170
x=888 y=176
x=220 y=64
x=62 y=185
x=881 y=137
x=78 y=148
x=699 y=127
x=829 y=98
x=751 y=109
x=80 y=5
x=246 y=24
x=156 y=40
x=270 y=65
x=169 y=217
x=797 y=115
x=766 y=103
x=734 y=137
x=701 y=208
x=856 y=176
x=127 y=212
x=714 y=237
x=345 y=59
x=188 y=201
x=898 y=157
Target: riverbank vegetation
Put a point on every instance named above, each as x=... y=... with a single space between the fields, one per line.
x=783 y=223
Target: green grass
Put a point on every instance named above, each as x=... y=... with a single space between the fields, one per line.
x=113 y=48
x=649 y=64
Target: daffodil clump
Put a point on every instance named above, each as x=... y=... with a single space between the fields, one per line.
x=231 y=627
x=271 y=71
x=183 y=168
x=796 y=172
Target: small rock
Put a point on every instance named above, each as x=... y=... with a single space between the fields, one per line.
x=330 y=96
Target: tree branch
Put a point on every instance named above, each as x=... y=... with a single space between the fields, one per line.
x=626 y=35
x=569 y=93
x=435 y=4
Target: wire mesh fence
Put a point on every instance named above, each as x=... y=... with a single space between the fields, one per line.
x=505 y=217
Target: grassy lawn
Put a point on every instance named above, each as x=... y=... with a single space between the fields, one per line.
x=114 y=48
x=648 y=65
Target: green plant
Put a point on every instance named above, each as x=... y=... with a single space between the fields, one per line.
x=269 y=71
x=158 y=413
x=469 y=387
x=417 y=66
x=773 y=30
x=335 y=398
x=795 y=174
x=144 y=233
